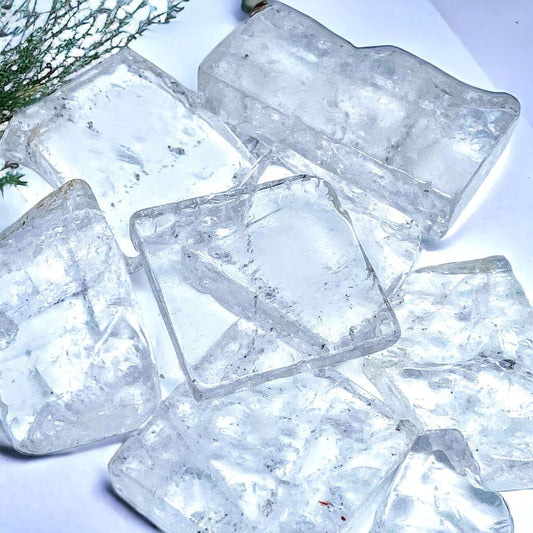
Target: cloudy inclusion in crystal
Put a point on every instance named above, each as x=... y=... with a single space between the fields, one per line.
x=390 y=239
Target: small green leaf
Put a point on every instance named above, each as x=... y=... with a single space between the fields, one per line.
x=12 y=179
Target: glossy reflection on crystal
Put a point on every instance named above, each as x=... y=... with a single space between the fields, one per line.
x=133 y=133
x=281 y=260
x=380 y=118
x=437 y=490
x=303 y=453
x=390 y=239
x=75 y=365
x=465 y=361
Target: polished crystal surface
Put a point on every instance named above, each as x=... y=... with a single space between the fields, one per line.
x=273 y=278
x=390 y=239
x=465 y=361
x=75 y=365
x=437 y=490
x=303 y=453
x=380 y=118
x=133 y=133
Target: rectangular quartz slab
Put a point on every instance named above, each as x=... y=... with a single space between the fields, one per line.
x=380 y=118
x=465 y=361
x=133 y=133
x=437 y=490
x=304 y=453
x=75 y=366
x=273 y=278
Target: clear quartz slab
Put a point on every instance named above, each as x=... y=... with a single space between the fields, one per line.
x=382 y=119
x=465 y=361
x=75 y=366
x=437 y=490
x=303 y=453
x=133 y=133
x=273 y=277
x=285 y=256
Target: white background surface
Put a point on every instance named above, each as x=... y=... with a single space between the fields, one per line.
x=70 y=493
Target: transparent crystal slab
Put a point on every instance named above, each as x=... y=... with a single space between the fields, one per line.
x=381 y=118
x=390 y=239
x=273 y=278
x=437 y=490
x=304 y=453
x=133 y=133
x=465 y=361
x=75 y=365
x=285 y=256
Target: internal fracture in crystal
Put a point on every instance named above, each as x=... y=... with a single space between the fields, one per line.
x=437 y=490
x=274 y=278
x=380 y=118
x=303 y=453
x=75 y=365
x=465 y=361
x=133 y=133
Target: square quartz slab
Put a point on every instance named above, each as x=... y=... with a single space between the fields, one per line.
x=303 y=453
x=390 y=239
x=380 y=118
x=465 y=361
x=133 y=133
x=75 y=366
x=437 y=490
x=281 y=260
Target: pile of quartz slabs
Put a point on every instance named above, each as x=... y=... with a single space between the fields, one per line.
x=465 y=361
x=135 y=134
x=437 y=489
x=302 y=453
x=75 y=365
x=262 y=280
x=380 y=118
x=272 y=276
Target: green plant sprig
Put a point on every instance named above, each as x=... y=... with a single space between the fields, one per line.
x=11 y=179
x=40 y=50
